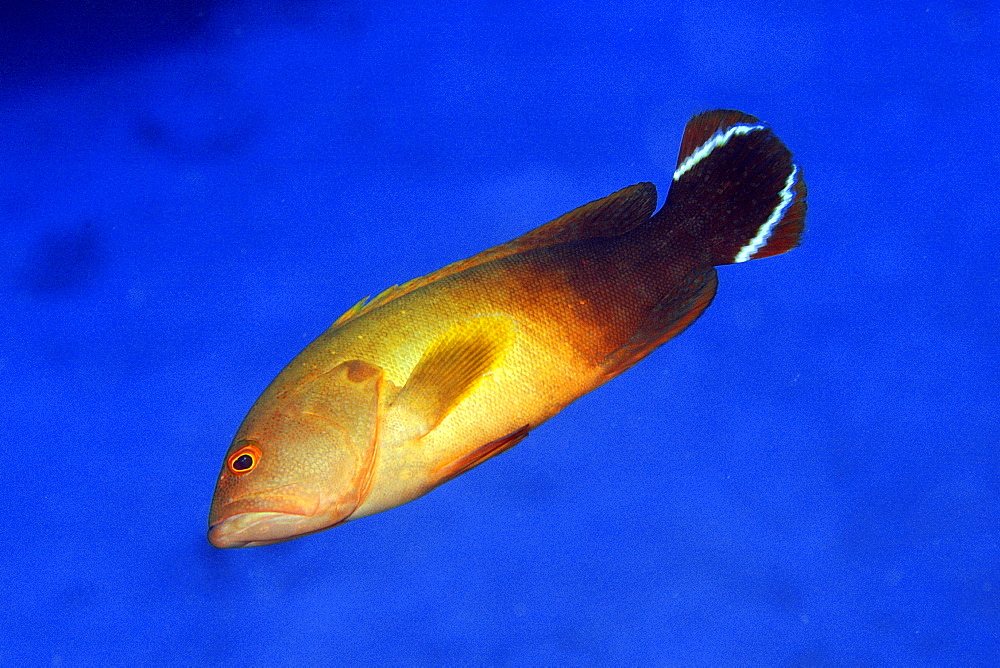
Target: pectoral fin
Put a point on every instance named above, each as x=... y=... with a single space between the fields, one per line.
x=447 y=372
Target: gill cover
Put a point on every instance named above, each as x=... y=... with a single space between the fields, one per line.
x=450 y=369
x=313 y=449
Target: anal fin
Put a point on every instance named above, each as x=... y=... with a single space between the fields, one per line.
x=666 y=320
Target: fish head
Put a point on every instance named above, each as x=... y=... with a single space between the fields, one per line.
x=302 y=461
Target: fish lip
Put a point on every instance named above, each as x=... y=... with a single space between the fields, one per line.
x=251 y=529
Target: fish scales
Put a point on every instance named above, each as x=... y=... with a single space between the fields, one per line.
x=433 y=377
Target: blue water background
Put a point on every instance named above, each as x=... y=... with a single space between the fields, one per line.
x=190 y=193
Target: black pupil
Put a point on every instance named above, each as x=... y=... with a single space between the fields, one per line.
x=242 y=463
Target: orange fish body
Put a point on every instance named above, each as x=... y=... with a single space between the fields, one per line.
x=435 y=376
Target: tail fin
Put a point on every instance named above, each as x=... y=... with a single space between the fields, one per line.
x=736 y=189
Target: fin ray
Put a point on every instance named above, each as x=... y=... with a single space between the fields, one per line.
x=448 y=371
x=350 y=313
x=481 y=454
x=736 y=191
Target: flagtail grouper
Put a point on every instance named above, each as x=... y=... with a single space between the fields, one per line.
x=435 y=376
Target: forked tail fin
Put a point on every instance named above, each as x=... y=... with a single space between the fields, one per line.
x=735 y=189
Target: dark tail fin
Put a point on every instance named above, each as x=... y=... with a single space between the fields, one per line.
x=735 y=189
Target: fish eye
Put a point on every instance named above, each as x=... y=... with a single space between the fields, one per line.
x=244 y=460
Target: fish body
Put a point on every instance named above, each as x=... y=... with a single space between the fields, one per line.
x=433 y=377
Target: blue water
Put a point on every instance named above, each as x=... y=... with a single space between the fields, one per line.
x=190 y=193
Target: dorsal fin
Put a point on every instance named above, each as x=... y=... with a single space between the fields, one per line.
x=609 y=216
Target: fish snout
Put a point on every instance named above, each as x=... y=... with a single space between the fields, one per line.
x=281 y=514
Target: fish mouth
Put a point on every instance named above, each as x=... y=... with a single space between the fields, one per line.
x=251 y=529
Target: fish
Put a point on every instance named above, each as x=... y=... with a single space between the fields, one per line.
x=432 y=377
